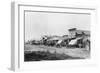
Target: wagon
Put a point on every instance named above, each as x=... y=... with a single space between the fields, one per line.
x=80 y=42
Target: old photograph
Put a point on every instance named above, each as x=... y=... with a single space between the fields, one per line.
x=54 y=36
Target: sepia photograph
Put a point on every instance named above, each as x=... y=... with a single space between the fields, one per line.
x=50 y=35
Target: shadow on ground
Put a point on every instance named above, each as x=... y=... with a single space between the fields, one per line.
x=38 y=56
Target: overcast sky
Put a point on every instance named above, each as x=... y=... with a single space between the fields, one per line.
x=42 y=23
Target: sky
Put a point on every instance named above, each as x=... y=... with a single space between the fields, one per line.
x=38 y=24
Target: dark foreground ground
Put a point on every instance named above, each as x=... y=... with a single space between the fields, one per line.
x=40 y=52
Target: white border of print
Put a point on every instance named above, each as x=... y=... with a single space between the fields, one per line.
x=17 y=58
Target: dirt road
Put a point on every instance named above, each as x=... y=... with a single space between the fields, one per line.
x=74 y=52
